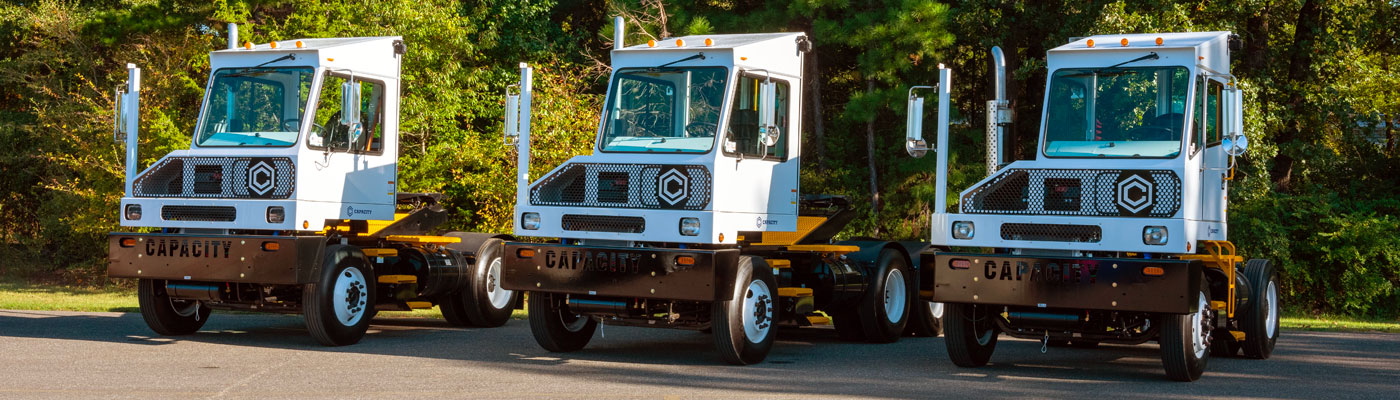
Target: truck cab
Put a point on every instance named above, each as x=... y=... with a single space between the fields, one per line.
x=287 y=200
x=689 y=212
x=1115 y=231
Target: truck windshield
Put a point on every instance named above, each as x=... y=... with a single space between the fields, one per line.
x=671 y=110
x=255 y=107
x=1119 y=112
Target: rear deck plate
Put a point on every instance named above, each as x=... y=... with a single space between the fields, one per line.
x=618 y=271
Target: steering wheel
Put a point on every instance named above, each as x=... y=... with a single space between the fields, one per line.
x=701 y=129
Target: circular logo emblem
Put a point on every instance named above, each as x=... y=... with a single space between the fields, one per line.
x=1134 y=195
x=673 y=187
x=261 y=178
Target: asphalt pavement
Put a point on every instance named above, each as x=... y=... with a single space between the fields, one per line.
x=113 y=355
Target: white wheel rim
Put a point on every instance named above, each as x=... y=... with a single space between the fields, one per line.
x=350 y=297
x=1200 y=334
x=500 y=298
x=935 y=309
x=895 y=293
x=757 y=312
x=576 y=324
x=1271 y=319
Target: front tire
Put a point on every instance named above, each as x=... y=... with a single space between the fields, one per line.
x=1261 y=317
x=1186 y=341
x=167 y=316
x=971 y=334
x=340 y=306
x=554 y=327
x=744 y=325
x=884 y=310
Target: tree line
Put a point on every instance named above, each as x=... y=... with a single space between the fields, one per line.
x=1316 y=192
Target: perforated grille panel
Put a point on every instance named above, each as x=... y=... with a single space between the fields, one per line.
x=625 y=186
x=603 y=223
x=1052 y=232
x=198 y=213
x=1079 y=192
x=219 y=177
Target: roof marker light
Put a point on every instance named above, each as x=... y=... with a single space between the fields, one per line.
x=1123 y=42
x=743 y=58
x=299 y=44
x=651 y=43
x=272 y=44
x=1159 y=41
x=709 y=42
x=1090 y=43
x=680 y=43
x=248 y=45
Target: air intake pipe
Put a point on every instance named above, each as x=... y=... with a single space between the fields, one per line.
x=998 y=114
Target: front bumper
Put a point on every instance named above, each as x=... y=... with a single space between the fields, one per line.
x=1113 y=284
x=215 y=258
x=619 y=271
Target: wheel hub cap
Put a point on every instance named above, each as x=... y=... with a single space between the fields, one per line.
x=895 y=293
x=757 y=312
x=1200 y=326
x=1271 y=305
x=500 y=298
x=351 y=296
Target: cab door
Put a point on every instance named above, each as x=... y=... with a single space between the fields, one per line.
x=767 y=174
x=359 y=166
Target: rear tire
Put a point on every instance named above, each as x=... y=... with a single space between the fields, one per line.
x=884 y=310
x=1260 y=319
x=927 y=319
x=745 y=324
x=1185 y=340
x=971 y=334
x=554 y=327
x=452 y=309
x=339 y=307
x=167 y=316
x=485 y=302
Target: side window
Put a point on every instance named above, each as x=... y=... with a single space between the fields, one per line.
x=328 y=132
x=741 y=137
x=1214 y=110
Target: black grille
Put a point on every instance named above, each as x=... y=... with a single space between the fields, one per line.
x=208 y=179
x=604 y=223
x=612 y=187
x=625 y=186
x=1052 y=232
x=1082 y=192
x=198 y=213
x=218 y=177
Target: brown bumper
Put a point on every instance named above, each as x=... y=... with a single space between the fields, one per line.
x=215 y=258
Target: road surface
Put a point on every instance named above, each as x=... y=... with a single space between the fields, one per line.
x=114 y=355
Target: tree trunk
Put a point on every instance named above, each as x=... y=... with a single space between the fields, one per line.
x=818 y=132
x=870 y=150
x=1310 y=21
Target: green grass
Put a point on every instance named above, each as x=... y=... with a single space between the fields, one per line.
x=46 y=297
x=1335 y=323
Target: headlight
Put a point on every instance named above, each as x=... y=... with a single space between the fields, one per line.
x=276 y=214
x=530 y=221
x=1154 y=235
x=963 y=230
x=690 y=226
x=133 y=212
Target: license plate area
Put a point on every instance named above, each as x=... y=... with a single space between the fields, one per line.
x=617 y=271
x=1062 y=282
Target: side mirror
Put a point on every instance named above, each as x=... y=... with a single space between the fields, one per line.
x=914 y=128
x=119 y=129
x=1235 y=142
x=767 y=107
x=349 y=103
x=512 y=128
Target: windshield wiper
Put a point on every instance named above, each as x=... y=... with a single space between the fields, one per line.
x=697 y=55
x=1111 y=68
x=294 y=56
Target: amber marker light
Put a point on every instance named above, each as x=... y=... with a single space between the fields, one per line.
x=1123 y=42
x=299 y=44
x=128 y=242
x=525 y=253
x=271 y=246
x=685 y=260
x=651 y=43
x=248 y=45
x=272 y=44
x=1159 y=41
x=680 y=43
x=1090 y=43
x=960 y=264
x=305 y=224
x=1153 y=271
x=709 y=42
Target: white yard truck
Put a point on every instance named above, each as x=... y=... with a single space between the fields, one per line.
x=689 y=213
x=1116 y=231
x=287 y=201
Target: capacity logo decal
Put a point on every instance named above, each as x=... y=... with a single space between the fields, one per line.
x=673 y=187
x=261 y=178
x=1134 y=193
